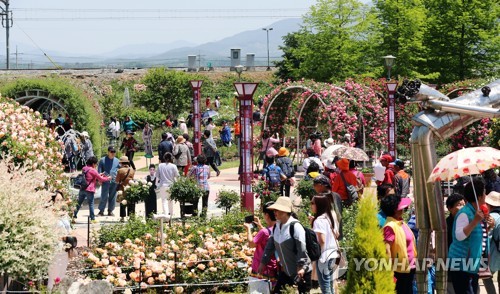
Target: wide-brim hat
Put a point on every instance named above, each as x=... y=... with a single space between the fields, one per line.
x=282 y=204
x=404 y=203
x=283 y=152
x=181 y=119
x=180 y=140
x=85 y=134
x=328 y=142
x=124 y=159
x=493 y=199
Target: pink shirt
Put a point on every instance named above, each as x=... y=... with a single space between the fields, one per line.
x=92 y=176
x=269 y=143
x=389 y=237
x=317 y=147
x=260 y=241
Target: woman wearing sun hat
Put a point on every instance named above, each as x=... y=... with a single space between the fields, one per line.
x=182 y=125
x=286 y=165
x=181 y=154
x=295 y=264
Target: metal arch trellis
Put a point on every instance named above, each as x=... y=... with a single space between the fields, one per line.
x=32 y=96
x=304 y=89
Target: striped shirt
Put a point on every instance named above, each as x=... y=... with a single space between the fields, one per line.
x=201 y=173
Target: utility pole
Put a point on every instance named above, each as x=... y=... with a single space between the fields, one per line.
x=7 y=24
x=267 y=32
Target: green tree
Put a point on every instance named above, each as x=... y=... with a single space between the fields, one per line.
x=166 y=90
x=336 y=42
x=368 y=244
x=463 y=38
x=402 y=25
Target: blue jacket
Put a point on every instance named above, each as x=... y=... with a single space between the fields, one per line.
x=225 y=134
x=109 y=166
x=468 y=251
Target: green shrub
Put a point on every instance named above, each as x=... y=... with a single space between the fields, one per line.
x=227 y=199
x=369 y=244
x=305 y=189
x=79 y=107
x=134 y=228
x=185 y=190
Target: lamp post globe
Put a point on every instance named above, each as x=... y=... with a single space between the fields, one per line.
x=389 y=63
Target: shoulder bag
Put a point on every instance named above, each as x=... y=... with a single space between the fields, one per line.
x=352 y=192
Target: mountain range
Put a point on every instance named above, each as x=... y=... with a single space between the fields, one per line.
x=171 y=54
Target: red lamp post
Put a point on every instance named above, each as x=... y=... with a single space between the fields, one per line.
x=391 y=117
x=196 y=85
x=245 y=93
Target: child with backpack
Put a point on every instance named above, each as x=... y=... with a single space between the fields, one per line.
x=286 y=165
x=273 y=174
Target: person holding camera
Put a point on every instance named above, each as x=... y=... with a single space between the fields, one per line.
x=260 y=240
x=295 y=265
x=267 y=149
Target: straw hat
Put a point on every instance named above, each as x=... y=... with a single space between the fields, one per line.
x=124 y=159
x=181 y=119
x=85 y=134
x=283 y=152
x=493 y=199
x=282 y=204
x=328 y=142
x=180 y=140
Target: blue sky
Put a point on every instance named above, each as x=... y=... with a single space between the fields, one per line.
x=86 y=26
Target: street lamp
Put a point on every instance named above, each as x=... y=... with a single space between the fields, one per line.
x=196 y=85
x=389 y=62
x=267 y=33
x=391 y=117
x=245 y=96
x=239 y=70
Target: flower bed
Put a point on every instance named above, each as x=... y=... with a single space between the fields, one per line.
x=192 y=254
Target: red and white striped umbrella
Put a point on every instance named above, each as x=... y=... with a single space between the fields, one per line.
x=465 y=162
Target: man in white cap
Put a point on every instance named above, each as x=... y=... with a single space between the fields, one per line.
x=290 y=247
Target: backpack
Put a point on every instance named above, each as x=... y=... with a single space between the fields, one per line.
x=81 y=181
x=286 y=167
x=352 y=192
x=273 y=176
x=312 y=245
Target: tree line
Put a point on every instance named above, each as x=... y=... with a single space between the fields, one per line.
x=438 y=41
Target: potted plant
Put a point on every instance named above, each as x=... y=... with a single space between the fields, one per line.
x=227 y=199
x=185 y=191
x=136 y=191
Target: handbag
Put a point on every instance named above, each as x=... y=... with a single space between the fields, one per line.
x=485 y=273
x=352 y=192
x=122 y=197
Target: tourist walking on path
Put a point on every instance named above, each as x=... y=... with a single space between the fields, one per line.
x=259 y=242
x=399 y=242
x=401 y=179
x=468 y=245
x=87 y=148
x=493 y=201
x=201 y=173
x=295 y=265
x=311 y=156
x=191 y=152
x=210 y=149
x=150 y=201
x=129 y=146
x=322 y=186
x=166 y=175
x=316 y=144
x=285 y=163
x=388 y=174
x=147 y=136
x=165 y=146
x=225 y=134
x=326 y=229
x=210 y=126
x=182 y=126
x=124 y=176
x=267 y=149
x=181 y=154
x=345 y=177
x=108 y=165
x=91 y=176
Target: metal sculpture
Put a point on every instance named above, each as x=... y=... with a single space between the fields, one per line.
x=440 y=118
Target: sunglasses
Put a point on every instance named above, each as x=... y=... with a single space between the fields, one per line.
x=112 y=151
